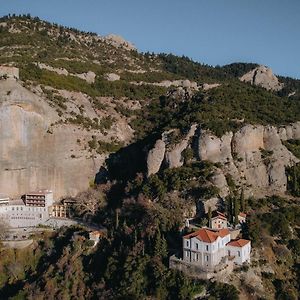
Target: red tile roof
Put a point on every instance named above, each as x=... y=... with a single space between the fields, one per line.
x=243 y=215
x=223 y=232
x=217 y=214
x=206 y=235
x=238 y=243
x=220 y=217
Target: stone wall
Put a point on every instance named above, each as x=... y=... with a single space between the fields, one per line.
x=195 y=271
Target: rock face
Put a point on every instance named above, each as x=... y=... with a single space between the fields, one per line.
x=10 y=72
x=119 y=41
x=254 y=157
x=112 y=77
x=34 y=154
x=264 y=77
x=174 y=157
x=89 y=76
x=155 y=157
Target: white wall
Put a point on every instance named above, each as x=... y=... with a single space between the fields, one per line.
x=23 y=216
x=242 y=254
x=206 y=254
x=218 y=223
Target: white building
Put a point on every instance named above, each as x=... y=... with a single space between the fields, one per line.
x=240 y=250
x=30 y=211
x=218 y=221
x=207 y=247
x=4 y=200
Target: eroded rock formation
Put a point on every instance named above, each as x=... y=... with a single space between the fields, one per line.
x=254 y=156
x=264 y=77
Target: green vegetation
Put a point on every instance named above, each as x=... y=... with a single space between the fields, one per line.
x=223 y=109
x=293 y=146
x=274 y=229
x=190 y=179
x=104 y=147
x=293 y=176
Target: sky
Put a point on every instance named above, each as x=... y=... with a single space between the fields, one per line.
x=214 y=32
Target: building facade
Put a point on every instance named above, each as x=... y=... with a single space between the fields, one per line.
x=218 y=221
x=240 y=250
x=207 y=248
x=30 y=211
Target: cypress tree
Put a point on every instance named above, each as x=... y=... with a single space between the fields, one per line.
x=242 y=201
x=209 y=217
x=236 y=211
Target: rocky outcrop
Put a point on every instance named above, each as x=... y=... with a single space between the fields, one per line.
x=254 y=157
x=264 y=77
x=168 y=83
x=89 y=76
x=155 y=157
x=10 y=72
x=167 y=153
x=35 y=154
x=207 y=86
x=118 y=41
x=112 y=77
x=173 y=156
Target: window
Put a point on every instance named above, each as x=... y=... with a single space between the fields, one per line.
x=239 y=254
x=206 y=257
x=187 y=243
x=206 y=247
x=197 y=247
x=197 y=257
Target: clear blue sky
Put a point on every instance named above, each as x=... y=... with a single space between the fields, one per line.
x=209 y=31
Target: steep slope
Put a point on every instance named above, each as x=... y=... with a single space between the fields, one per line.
x=84 y=96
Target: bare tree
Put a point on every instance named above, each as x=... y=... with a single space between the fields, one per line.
x=88 y=203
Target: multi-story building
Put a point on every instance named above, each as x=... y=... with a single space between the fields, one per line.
x=31 y=210
x=207 y=248
x=42 y=198
x=4 y=200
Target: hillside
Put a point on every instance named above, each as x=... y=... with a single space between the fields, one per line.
x=142 y=142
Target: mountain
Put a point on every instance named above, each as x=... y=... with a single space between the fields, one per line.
x=143 y=141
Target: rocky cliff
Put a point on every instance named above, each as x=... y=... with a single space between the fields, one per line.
x=264 y=77
x=254 y=156
x=39 y=150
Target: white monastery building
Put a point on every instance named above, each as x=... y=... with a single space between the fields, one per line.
x=31 y=210
x=207 y=247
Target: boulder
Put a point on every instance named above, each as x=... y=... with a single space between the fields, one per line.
x=112 y=77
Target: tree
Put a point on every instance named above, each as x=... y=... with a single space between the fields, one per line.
x=209 y=217
x=236 y=211
x=160 y=246
x=242 y=201
x=228 y=204
x=90 y=202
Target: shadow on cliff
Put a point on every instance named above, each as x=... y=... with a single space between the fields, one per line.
x=127 y=162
